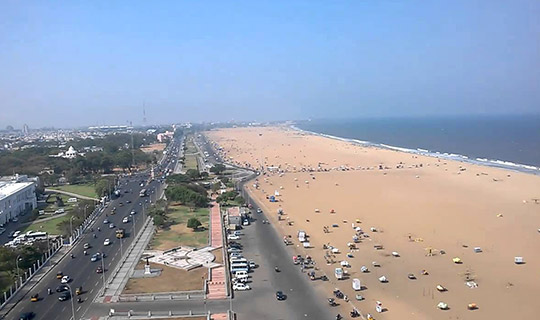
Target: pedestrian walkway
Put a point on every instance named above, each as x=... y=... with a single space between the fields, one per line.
x=216 y=229
x=123 y=271
x=71 y=194
x=217 y=284
x=219 y=316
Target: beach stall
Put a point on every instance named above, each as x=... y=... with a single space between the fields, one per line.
x=357 y=286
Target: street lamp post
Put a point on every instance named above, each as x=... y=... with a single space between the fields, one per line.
x=103 y=270
x=17 y=265
x=71 y=228
x=72 y=303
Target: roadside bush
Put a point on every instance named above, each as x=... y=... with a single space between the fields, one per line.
x=193 y=223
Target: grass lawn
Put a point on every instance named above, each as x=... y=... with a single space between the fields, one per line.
x=190 y=162
x=86 y=189
x=170 y=280
x=178 y=234
x=49 y=226
x=190 y=146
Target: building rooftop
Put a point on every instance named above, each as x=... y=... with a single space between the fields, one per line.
x=233 y=211
x=9 y=188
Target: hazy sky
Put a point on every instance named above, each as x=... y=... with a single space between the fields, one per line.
x=96 y=62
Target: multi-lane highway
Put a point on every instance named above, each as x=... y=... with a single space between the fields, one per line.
x=80 y=268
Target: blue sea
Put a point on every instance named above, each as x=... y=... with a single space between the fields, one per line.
x=511 y=142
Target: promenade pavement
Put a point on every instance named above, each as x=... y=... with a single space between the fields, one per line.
x=217 y=283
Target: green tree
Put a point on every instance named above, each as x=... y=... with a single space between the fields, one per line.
x=102 y=187
x=193 y=223
x=193 y=174
x=218 y=169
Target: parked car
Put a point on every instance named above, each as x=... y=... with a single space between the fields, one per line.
x=106 y=221
x=125 y=220
x=240 y=287
x=107 y=242
x=59 y=211
x=233 y=237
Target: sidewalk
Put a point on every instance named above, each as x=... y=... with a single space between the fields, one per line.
x=125 y=268
x=74 y=195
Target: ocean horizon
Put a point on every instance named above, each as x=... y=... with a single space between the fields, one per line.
x=509 y=141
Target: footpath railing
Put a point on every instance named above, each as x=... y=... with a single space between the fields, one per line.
x=23 y=278
x=54 y=247
x=118 y=315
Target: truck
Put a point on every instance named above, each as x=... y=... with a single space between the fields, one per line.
x=120 y=233
x=339 y=273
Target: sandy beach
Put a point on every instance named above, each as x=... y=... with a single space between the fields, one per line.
x=427 y=210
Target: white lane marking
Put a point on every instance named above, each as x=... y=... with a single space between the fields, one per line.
x=78 y=309
x=93 y=289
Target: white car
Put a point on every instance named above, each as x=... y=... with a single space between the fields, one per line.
x=65 y=279
x=107 y=242
x=111 y=226
x=245 y=223
x=125 y=220
x=240 y=287
x=133 y=211
x=233 y=237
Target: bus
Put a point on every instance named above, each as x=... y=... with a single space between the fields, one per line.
x=36 y=235
x=142 y=193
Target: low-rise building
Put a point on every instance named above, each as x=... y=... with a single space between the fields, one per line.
x=17 y=195
x=234 y=217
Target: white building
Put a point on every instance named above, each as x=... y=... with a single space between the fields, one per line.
x=16 y=196
x=71 y=153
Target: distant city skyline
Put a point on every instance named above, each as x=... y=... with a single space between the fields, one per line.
x=76 y=64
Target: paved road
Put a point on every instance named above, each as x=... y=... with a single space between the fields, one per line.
x=80 y=268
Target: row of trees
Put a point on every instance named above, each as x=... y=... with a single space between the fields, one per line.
x=188 y=194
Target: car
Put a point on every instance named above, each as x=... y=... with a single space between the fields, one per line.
x=65 y=279
x=121 y=204
x=65 y=296
x=125 y=220
x=236 y=255
x=15 y=219
x=59 y=275
x=230 y=250
x=11 y=234
x=99 y=269
x=233 y=237
x=107 y=242
x=252 y=264
x=128 y=201
x=58 y=211
x=111 y=226
x=246 y=222
x=86 y=245
x=280 y=296
x=259 y=210
x=27 y=316
x=106 y=221
x=127 y=191
x=94 y=258
x=240 y=287
x=132 y=212
x=62 y=288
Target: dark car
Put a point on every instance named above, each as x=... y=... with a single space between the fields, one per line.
x=64 y=296
x=99 y=269
x=128 y=201
x=27 y=316
x=62 y=288
x=280 y=296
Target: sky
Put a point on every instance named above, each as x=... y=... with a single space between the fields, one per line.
x=79 y=63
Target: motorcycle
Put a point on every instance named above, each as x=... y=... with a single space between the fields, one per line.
x=332 y=302
x=354 y=313
x=277 y=269
x=72 y=256
x=49 y=291
x=338 y=317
